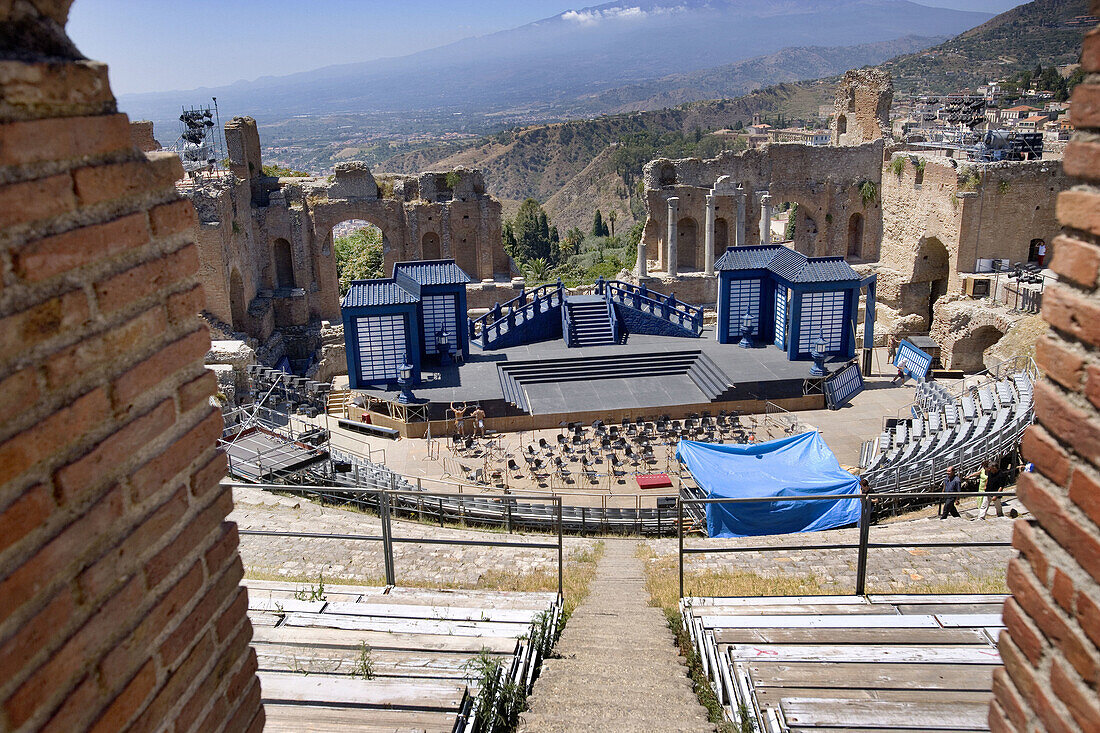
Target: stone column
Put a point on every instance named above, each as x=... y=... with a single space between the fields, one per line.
x=765 y=219
x=708 y=238
x=739 y=232
x=670 y=238
x=640 y=266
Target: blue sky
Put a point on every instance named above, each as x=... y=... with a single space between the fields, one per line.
x=156 y=45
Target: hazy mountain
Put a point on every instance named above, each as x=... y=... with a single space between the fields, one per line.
x=583 y=52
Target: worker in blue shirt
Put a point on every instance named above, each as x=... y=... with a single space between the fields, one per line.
x=951 y=485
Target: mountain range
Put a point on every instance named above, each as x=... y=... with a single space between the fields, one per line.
x=560 y=65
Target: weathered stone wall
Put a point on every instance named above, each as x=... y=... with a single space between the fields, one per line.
x=824 y=181
x=1051 y=649
x=861 y=109
x=120 y=605
x=141 y=133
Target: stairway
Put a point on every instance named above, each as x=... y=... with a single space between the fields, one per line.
x=588 y=321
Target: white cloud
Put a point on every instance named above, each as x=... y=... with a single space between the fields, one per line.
x=592 y=17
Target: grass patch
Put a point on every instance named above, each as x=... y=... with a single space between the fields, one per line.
x=992 y=583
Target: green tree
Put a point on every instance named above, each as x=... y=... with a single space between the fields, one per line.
x=532 y=232
x=597 y=224
x=611 y=217
x=792 y=220
x=358 y=256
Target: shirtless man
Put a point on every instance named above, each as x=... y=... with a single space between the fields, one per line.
x=460 y=417
x=479 y=421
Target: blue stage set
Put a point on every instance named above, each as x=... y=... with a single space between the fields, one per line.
x=418 y=314
x=773 y=295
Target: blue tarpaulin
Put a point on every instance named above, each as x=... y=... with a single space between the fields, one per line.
x=801 y=465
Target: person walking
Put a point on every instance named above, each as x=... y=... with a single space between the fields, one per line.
x=903 y=364
x=951 y=485
x=992 y=482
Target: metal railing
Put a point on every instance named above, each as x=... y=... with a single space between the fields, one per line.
x=665 y=307
x=517 y=311
x=387 y=502
x=862 y=546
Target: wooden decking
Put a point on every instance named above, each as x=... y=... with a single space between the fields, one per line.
x=314 y=655
x=850 y=663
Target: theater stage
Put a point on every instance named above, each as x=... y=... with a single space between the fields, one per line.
x=541 y=384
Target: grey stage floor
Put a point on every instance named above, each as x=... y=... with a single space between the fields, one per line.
x=761 y=372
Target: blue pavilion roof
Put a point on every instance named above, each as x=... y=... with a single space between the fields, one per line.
x=433 y=272
x=387 y=291
x=787 y=264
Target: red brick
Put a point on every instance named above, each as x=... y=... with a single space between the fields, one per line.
x=64 y=138
x=99 y=183
x=38 y=633
x=1024 y=679
x=214 y=719
x=1088 y=616
x=20 y=332
x=18 y=392
x=1085 y=108
x=1062 y=590
x=30 y=201
x=129 y=702
x=198 y=391
x=1082 y=159
x=45 y=258
x=62 y=667
x=223 y=549
x=249 y=707
x=99 y=465
x=142 y=378
x=1081 y=703
x=1090 y=51
x=1009 y=699
x=1084 y=491
x=25 y=514
x=53 y=434
x=997 y=721
x=120 y=561
x=175 y=687
x=1059 y=362
x=173 y=218
x=1024 y=539
x=200 y=617
x=232 y=617
x=77 y=708
x=140 y=282
x=137 y=646
x=1079 y=210
x=184 y=306
x=1051 y=622
x=1048 y=456
x=1067 y=422
x=107 y=353
x=1082 y=544
x=1092 y=384
x=193 y=536
x=1026 y=636
x=177 y=456
x=1076 y=261
x=68 y=548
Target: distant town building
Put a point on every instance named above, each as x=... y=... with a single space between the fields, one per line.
x=800 y=135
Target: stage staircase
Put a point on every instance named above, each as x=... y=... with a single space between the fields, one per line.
x=588 y=319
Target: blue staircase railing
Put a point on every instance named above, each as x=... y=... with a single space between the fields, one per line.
x=613 y=317
x=665 y=307
x=504 y=324
x=567 y=325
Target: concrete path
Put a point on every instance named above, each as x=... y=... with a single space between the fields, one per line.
x=619 y=668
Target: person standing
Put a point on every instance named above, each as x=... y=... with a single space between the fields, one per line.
x=1042 y=253
x=479 y=421
x=951 y=485
x=903 y=364
x=993 y=482
x=459 y=410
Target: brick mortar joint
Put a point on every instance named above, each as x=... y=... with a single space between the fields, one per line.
x=1060 y=495
x=1056 y=557
x=1041 y=674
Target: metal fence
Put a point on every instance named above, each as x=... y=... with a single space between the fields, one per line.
x=387 y=502
x=862 y=547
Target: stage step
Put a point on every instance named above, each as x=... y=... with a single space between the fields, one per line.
x=705 y=374
x=588 y=321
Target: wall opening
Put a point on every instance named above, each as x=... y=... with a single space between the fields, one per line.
x=358 y=246
x=1033 y=250
x=284 y=264
x=429 y=247
x=721 y=236
x=666 y=176
x=932 y=265
x=851 y=100
x=791 y=223
x=841 y=125
x=238 y=307
x=855 y=236
x=969 y=352
x=687 y=248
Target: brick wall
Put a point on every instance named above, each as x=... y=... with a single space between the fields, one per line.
x=120 y=604
x=1050 y=650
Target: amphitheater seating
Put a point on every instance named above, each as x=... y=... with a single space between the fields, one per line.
x=876 y=662
x=389 y=658
x=984 y=421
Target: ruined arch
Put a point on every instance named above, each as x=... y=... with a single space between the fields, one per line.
x=969 y=351
x=687 y=245
x=666 y=175
x=721 y=236
x=429 y=247
x=932 y=266
x=238 y=306
x=855 y=236
x=283 y=258
x=841 y=125
x=799 y=227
